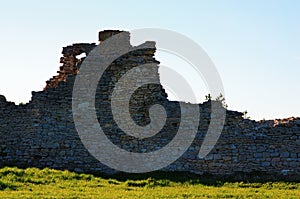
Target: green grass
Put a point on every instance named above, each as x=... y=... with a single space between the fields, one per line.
x=50 y=183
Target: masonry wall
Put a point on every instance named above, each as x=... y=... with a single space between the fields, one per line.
x=42 y=133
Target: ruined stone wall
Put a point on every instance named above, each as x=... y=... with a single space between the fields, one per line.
x=42 y=133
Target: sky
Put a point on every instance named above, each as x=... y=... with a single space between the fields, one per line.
x=255 y=45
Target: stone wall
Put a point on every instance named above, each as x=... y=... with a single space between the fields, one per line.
x=42 y=133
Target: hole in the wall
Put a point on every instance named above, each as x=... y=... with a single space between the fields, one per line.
x=82 y=55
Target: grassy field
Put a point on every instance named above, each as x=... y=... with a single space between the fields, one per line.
x=49 y=183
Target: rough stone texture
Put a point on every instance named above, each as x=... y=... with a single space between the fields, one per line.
x=70 y=62
x=41 y=133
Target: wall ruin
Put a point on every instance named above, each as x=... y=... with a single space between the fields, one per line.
x=42 y=133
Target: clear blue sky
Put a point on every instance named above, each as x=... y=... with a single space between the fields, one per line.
x=255 y=45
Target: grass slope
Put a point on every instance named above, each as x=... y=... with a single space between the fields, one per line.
x=50 y=183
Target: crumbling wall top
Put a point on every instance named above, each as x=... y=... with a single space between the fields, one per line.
x=103 y=35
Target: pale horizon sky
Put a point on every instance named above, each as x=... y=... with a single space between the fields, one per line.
x=255 y=45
